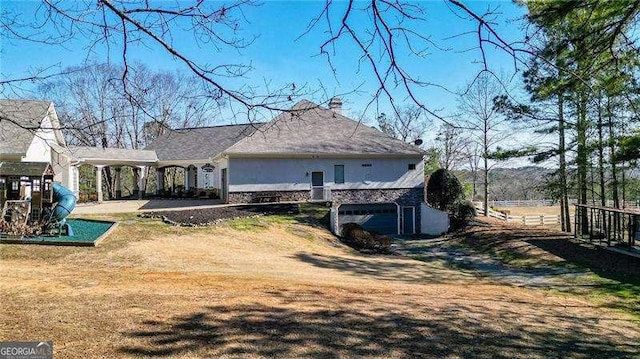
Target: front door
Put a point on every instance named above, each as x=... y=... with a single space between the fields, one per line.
x=317 y=186
x=408 y=220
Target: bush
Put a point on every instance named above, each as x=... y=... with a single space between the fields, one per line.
x=356 y=237
x=444 y=190
x=463 y=212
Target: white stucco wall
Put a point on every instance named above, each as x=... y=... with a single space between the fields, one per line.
x=433 y=222
x=282 y=174
x=40 y=150
x=65 y=173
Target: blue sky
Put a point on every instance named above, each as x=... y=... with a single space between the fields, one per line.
x=280 y=56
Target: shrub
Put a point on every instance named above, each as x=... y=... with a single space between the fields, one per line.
x=355 y=236
x=444 y=190
x=463 y=212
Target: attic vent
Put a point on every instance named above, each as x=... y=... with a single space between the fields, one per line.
x=366 y=165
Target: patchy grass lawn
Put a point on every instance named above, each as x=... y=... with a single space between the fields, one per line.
x=610 y=279
x=282 y=286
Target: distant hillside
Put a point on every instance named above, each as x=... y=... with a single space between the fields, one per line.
x=511 y=183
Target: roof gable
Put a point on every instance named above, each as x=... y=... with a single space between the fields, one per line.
x=19 y=120
x=308 y=128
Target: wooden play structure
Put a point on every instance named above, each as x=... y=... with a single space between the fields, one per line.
x=26 y=190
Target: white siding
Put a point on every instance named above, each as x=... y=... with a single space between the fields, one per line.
x=40 y=150
x=214 y=178
x=271 y=174
x=433 y=222
x=65 y=173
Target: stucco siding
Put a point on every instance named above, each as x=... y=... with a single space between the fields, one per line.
x=40 y=150
x=294 y=174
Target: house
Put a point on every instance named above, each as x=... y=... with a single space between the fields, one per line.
x=29 y=132
x=308 y=153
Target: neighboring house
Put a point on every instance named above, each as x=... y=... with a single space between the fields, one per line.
x=29 y=131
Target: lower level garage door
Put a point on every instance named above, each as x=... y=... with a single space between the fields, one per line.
x=377 y=217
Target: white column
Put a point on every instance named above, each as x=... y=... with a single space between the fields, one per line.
x=160 y=180
x=187 y=172
x=118 y=182
x=141 y=186
x=70 y=178
x=99 y=182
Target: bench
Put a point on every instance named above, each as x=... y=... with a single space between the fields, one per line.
x=268 y=197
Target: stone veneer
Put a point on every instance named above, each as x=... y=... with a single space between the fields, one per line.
x=285 y=196
x=403 y=197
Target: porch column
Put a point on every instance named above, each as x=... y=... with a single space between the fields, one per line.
x=187 y=172
x=141 y=188
x=159 y=181
x=99 y=182
x=118 y=182
x=73 y=180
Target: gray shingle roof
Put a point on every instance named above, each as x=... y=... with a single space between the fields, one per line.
x=24 y=117
x=113 y=154
x=311 y=129
x=30 y=169
x=199 y=143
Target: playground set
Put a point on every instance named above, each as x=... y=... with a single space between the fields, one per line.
x=29 y=196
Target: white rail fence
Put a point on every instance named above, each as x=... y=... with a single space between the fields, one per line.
x=532 y=220
x=549 y=202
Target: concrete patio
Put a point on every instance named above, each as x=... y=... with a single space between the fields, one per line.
x=144 y=205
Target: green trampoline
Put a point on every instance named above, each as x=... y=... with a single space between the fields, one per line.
x=86 y=232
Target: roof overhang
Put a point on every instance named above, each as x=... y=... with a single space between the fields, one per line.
x=325 y=155
x=183 y=163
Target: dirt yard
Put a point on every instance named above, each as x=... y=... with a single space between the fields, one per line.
x=282 y=286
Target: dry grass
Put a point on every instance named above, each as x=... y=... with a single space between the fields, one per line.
x=282 y=289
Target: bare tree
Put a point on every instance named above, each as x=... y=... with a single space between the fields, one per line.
x=97 y=113
x=408 y=125
x=117 y=25
x=482 y=119
x=453 y=146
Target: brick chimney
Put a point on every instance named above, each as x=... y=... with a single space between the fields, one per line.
x=336 y=105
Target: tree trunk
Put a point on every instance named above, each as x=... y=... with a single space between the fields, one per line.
x=603 y=199
x=486 y=168
x=582 y=159
x=564 y=197
x=612 y=150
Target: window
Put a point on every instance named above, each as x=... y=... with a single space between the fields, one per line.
x=338 y=171
x=15 y=185
x=35 y=185
x=412 y=166
x=47 y=185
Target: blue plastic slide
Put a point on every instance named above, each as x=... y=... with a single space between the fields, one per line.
x=65 y=202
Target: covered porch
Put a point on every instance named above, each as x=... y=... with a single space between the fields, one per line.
x=201 y=179
x=109 y=163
